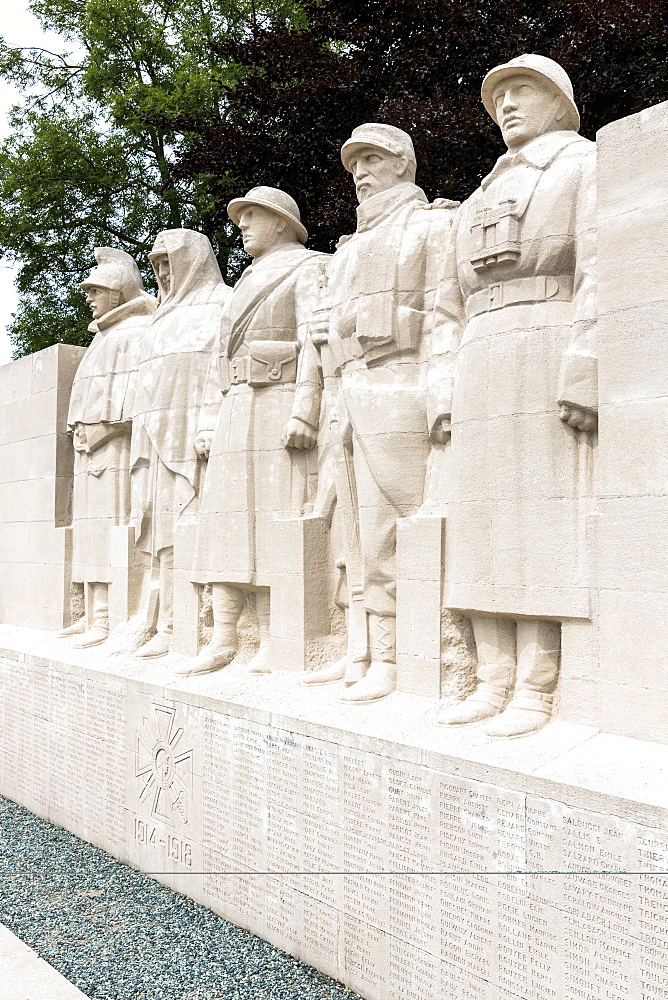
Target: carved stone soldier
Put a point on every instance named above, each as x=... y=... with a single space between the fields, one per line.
x=525 y=397
x=166 y=470
x=257 y=425
x=100 y=417
x=393 y=380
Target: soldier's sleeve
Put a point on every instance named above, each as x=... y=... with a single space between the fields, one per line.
x=213 y=390
x=310 y=291
x=134 y=352
x=99 y=434
x=444 y=312
x=578 y=380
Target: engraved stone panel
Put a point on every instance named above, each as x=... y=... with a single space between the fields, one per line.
x=249 y=796
x=365 y=957
x=164 y=768
x=405 y=882
x=411 y=825
x=164 y=821
x=217 y=784
x=320 y=933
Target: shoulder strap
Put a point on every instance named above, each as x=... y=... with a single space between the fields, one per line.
x=244 y=320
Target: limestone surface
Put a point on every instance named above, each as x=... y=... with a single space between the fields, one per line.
x=372 y=561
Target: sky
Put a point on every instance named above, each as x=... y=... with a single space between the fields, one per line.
x=18 y=27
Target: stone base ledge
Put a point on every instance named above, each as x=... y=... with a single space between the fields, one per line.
x=401 y=858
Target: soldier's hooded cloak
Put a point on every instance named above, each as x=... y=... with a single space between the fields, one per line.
x=172 y=374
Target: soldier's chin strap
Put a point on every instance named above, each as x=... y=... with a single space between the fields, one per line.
x=553 y=122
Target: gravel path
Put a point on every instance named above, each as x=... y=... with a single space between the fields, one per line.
x=118 y=935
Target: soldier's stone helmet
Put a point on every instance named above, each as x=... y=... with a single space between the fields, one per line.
x=274 y=199
x=387 y=137
x=541 y=68
x=116 y=271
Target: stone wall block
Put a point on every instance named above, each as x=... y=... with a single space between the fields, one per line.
x=36 y=463
x=420 y=562
x=633 y=369
x=300 y=584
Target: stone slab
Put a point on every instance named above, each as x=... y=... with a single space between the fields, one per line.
x=26 y=976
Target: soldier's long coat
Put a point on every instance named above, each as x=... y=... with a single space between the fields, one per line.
x=251 y=478
x=102 y=400
x=518 y=518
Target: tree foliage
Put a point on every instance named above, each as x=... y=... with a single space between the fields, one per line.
x=160 y=111
x=416 y=64
x=91 y=158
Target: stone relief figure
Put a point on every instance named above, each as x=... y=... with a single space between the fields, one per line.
x=376 y=342
x=525 y=397
x=100 y=418
x=166 y=469
x=257 y=425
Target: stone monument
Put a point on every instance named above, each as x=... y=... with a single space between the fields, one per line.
x=374 y=342
x=166 y=469
x=259 y=435
x=100 y=419
x=454 y=426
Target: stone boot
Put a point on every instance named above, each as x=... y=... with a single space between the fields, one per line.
x=76 y=628
x=379 y=681
x=330 y=674
x=99 y=630
x=496 y=648
x=161 y=642
x=159 y=645
x=380 y=678
x=261 y=662
x=210 y=658
x=97 y=633
x=486 y=701
x=227 y=604
x=526 y=712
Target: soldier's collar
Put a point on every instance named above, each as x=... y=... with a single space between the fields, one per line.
x=538 y=153
x=274 y=258
x=380 y=206
x=142 y=305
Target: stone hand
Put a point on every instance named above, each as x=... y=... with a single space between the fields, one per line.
x=441 y=430
x=299 y=435
x=202 y=444
x=574 y=416
x=319 y=329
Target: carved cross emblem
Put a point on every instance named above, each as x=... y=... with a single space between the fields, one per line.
x=164 y=772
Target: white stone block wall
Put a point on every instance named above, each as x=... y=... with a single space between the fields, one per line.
x=36 y=460
x=632 y=531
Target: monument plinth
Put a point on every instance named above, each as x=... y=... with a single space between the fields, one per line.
x=392 y=854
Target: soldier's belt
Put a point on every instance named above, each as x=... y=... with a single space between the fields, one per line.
x=519 y=291
x=268 y=362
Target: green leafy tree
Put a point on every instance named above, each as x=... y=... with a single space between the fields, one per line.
x=160 y=111
x=90 y=161
x=416 y=64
